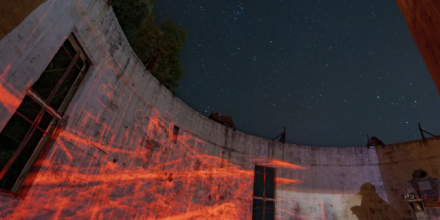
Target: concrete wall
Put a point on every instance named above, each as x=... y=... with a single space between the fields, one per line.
x=115 y=158
x=12 y=13
x=423 y=20
x=398 y=162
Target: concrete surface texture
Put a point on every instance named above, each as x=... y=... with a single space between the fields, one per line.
x=423 y=20
x=398 y=161
x=12 y=13
x=116 y=158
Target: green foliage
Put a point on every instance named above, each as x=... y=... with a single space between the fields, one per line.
x=169 y=70
x=148 y=40
x=132 y=14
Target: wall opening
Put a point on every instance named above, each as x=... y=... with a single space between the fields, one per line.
x=264 y=194
x=40 y=113
x=175 y=134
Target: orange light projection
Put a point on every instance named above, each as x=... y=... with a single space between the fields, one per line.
x=143 y=177
x=9 y=96
x=119 y=161
x=116 y=160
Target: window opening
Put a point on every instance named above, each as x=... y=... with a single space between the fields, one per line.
x=37 y=117
x=175 y=133
x=264 y=194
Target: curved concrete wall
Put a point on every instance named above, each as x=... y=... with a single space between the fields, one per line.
x=116 y=158
x=397 y=163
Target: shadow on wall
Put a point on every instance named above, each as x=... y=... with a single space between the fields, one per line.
x=367 y=205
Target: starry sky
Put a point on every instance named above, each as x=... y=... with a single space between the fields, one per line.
x=331 y=72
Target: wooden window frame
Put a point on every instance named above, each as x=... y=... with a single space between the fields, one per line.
x=45 y=107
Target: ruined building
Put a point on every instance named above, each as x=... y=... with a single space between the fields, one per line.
x=87 y=133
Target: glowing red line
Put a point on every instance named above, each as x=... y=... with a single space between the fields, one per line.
x=30 y=36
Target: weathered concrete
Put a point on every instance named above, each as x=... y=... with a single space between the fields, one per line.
x=12 y=13
x=423 y=20
x=115 y=158
x=398 y=162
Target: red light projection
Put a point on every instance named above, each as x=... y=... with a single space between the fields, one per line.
x=10 y=98
x=116 y=159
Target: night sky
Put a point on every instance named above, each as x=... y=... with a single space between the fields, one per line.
x=330 y=71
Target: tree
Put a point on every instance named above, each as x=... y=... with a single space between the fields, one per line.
x=167 y=41
x=132 y=14
x=148 y=39
x=160 y=45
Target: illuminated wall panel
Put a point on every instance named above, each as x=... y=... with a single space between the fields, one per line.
x=115 y=157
